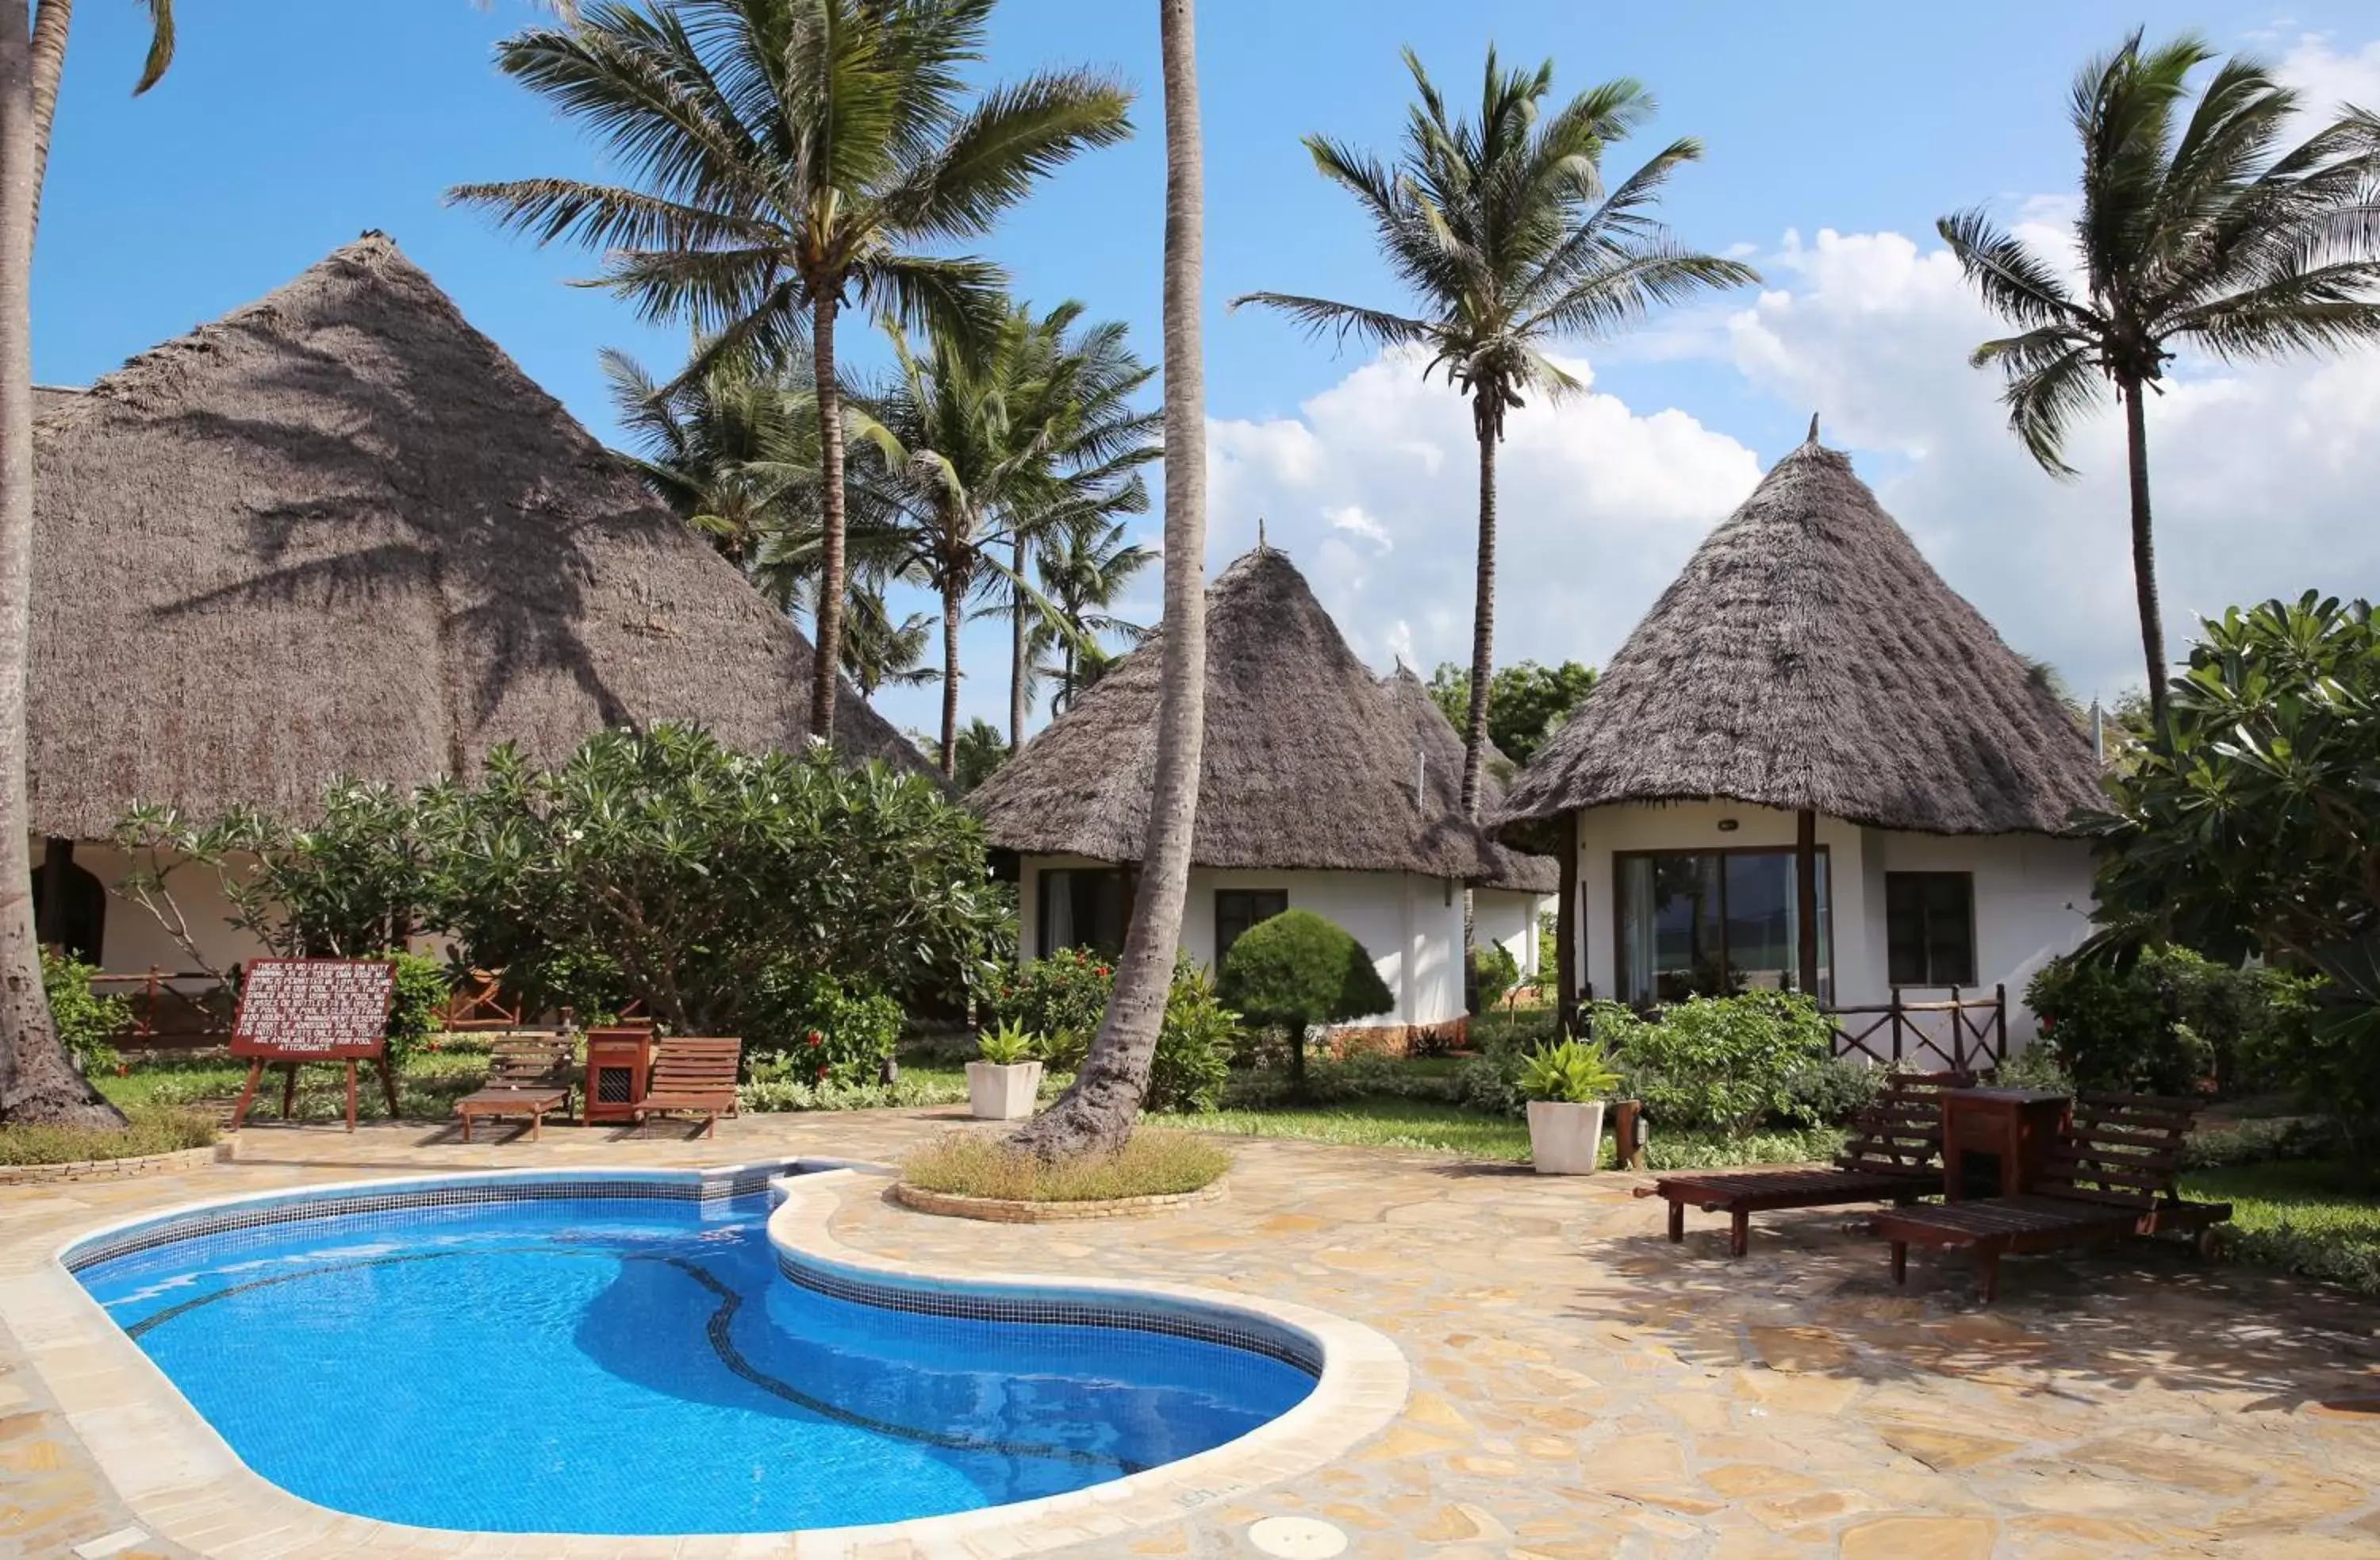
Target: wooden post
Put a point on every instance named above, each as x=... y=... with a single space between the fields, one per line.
x=351 y=1093
x=1957 y=1041
x=2000 y=1023
x=1805 y=897
x=1896 y=1023
x=49 y=916
x=1566 y=919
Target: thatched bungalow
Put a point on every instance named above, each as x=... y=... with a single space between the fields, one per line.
x=1504 y=906
x=1317 y=791
x=339 y=531
x=1813 y=765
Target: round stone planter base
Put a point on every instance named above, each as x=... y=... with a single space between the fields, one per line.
x=1014 y=1211
x=173 y=1164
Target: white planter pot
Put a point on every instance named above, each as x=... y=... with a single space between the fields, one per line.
x=1564 y=1138
x=1002 y=1093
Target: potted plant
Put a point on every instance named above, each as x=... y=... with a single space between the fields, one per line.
x=1566 y=1086
x=1001 y=1086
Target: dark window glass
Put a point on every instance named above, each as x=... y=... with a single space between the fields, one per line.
x=75 y=916
x=1084 y=907
x=1929 y=921
x=1236 y=909
x=1711 y=922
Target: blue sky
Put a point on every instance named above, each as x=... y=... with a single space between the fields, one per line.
x=286 y=126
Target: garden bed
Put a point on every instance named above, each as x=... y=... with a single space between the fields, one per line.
x=1019 y=1211
x=155 y=1140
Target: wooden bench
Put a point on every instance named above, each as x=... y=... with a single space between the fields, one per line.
x=1894 y=1155
x=693 y=1076
x=2111 y=1174
x=528 y=1075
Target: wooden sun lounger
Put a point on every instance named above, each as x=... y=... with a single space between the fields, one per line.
x=2112 y=1174
x=1894 y=1155
x=693 y=1076
x=528 y=1075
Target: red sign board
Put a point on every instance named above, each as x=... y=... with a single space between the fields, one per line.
x=314 y=1009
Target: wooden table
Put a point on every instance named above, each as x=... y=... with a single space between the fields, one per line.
x=2016 y=1127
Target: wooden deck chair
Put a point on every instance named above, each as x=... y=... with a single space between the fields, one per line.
x=693 y=1076
x=2112 y=1174
x=528 y=1075
x=1894 y=1155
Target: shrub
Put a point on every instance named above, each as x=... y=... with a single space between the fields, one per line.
x=1837 y=1089
x=1152 y=1162
x=772 y=1086
x=1492 y=1082
x=419 y=1009
x=2035 y=1067
x=1575 y=1072
x=1296 y=970
x=88 y=1023
x=822 y=1030
x=1494 y=972
x=1061 y=998
x=2169 y=1020
x=1193 y=1045
x=1726 y=1062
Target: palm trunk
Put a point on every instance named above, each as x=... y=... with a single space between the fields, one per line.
x=951 y=620
x=825 y=676
x=1016 y=651
x=1098 y=1108
x=51 y=23
x=37 y=1082
x=2144 y=586
x=1566 y=929
x=1483 y=626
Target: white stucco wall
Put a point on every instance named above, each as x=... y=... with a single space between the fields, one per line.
x=1502 y=917
x=2033 y=894
x=1411 y=926
x=133 y=940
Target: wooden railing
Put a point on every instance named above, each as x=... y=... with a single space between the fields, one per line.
x=1962 y=1034
x=163 y=1016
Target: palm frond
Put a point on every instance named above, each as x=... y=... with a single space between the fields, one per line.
x=1321 y=315
x=1017 y=134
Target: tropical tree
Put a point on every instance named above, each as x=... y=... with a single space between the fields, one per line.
x=2195 y=229
x=1083 y=573
x=1503 y=232
x=980 y=443
x=789 y=157
x=1098 y=1108
x=38 y=1082
x=1526 y=703
x=729 y=447
x=877 y=651
x=975 y=758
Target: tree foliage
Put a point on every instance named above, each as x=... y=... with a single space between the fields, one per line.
x=1526 y=703
x=1296 y=971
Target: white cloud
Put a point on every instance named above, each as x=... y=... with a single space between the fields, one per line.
x=2325 y=78
x=1373 y=489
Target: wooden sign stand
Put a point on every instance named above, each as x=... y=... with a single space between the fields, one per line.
x=297 y=1010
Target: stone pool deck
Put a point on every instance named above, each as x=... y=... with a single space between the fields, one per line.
x=1579 y=1386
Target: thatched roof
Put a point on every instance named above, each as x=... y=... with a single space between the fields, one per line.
x=338 y=531
x=1441 y=749
x=1309 y=763
x=1808 y=657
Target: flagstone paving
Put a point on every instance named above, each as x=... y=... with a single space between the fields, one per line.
x=1579 y=1386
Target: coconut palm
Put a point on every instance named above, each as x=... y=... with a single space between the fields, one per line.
x=1083 y=573
x=730 y=449
x=981 y=443
x=1506 y=237
x=878 y=652
x=1098 y=1108
x=2194 y=231
x=789 y=157
x=37 y=1082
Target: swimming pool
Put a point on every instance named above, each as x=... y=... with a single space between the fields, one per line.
x=631 y=1354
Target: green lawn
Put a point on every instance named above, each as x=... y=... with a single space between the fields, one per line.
x=2308 y=1215
x=427 y=1087
x=1379 y=1123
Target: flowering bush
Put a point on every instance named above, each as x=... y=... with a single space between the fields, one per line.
x=814 y=1032
x=1061 y=998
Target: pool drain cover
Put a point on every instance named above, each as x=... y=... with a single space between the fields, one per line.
x=1297 y=1537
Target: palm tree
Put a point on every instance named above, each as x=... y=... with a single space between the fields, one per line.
x=1098 y=1108
x=984 y=444
x=1506 y=237
x=730 y=449
x=37 y=1082
x=789 y=157
x=877 y=651
x=1082 y=576
x=2201 y=233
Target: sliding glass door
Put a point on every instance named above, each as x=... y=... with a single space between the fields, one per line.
x=1709 y=922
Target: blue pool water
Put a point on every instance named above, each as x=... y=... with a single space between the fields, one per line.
x=611 y=1365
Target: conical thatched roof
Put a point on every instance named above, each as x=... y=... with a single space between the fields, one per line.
x=1309 y=763
x=338 y=531
x=1441 y=746
x=1808 y=657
